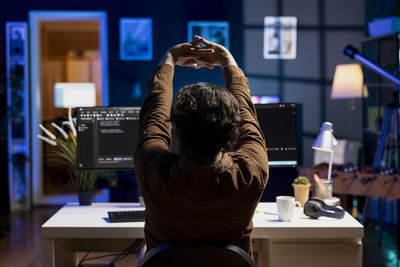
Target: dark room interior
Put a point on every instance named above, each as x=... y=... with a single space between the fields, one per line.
x=75 y=82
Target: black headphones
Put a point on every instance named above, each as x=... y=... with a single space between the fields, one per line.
x=315 y=208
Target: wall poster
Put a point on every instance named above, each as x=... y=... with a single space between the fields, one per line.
x=214 y=31
x=280 y=37
x=136 y=39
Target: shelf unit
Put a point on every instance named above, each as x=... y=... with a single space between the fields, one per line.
x=18 y=115
x=383 y=51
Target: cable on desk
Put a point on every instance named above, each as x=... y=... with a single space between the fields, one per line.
x=87 y=254
x=133 y=248
x=95 y=258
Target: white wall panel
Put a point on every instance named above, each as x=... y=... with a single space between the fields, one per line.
x=335 y=42
x=254 y=11
x=306 y=11
x=263 y=86
x=308 y=95
x=308 y=152
x=306 y=64
x=254 y=63
x=344 y=12
x=345 y=114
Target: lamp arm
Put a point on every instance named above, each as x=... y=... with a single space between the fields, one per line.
x=330 y=167
x=353 y=53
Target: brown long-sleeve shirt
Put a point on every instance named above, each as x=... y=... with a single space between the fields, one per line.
x=185 y=200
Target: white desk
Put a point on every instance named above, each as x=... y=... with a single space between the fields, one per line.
x=302 y=242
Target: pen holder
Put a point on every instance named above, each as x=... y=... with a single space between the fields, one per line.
x=323 y=190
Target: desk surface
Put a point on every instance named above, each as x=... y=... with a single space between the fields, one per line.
x=74 y=221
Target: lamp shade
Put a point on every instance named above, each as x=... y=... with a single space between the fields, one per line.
x=325 y=140
x=348 y=82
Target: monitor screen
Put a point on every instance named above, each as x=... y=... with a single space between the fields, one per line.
x=278 y=123
x=74 y=95
x=265 y=99
x=106 y=137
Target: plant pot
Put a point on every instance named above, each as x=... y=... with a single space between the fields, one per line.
x=301 y=192
x=85 y=198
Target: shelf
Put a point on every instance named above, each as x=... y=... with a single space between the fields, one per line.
x=380 y=37
x=360 y=184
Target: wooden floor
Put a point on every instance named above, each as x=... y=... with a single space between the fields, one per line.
x=20 y=240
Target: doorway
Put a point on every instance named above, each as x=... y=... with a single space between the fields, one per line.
x=66 y=47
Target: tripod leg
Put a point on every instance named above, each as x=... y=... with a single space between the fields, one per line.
x=397 y=133
x=381 y=212
x=365 y=210
x=397 y=166
x=382 y=138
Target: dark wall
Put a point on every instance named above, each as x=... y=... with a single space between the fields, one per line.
x=169 y=28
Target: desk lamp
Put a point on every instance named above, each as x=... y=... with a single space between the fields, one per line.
x=326 y=142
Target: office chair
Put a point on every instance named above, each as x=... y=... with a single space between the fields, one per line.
x=196 y=253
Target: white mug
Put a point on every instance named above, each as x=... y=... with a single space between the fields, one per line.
x=286 y=207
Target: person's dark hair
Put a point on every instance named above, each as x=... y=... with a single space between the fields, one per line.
x=206 y=118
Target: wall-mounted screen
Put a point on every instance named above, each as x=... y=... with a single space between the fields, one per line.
x=265 y=99
x=214 y=31
x=74 y=95
x=280 y=37
x=135 y=39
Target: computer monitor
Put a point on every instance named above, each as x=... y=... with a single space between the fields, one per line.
x=106 y=137
x=265 y=99
x=278 y=123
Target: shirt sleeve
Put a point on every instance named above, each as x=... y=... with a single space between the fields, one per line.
x=154 y=136
x=251 y=140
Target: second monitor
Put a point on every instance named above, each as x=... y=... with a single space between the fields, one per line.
x=279 y=125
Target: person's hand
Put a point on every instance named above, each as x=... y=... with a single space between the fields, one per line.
x=220 y=56
x=189 y=54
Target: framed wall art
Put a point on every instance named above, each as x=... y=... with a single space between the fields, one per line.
x=136 y=39
x=214 y=31
x=280 y=37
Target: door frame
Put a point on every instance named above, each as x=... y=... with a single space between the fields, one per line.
x=36 y=159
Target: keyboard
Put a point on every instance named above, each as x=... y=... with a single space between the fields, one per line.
x=127 y=216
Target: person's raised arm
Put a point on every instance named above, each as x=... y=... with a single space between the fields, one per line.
x=154 y=135
x=220 y=57
x=188 y=54
x=251 y=140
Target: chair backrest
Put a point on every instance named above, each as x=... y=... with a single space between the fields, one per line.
x=196 y=253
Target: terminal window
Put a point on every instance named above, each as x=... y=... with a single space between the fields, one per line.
x=106 y=137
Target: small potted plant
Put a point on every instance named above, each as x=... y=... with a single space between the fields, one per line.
x=301 y=187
